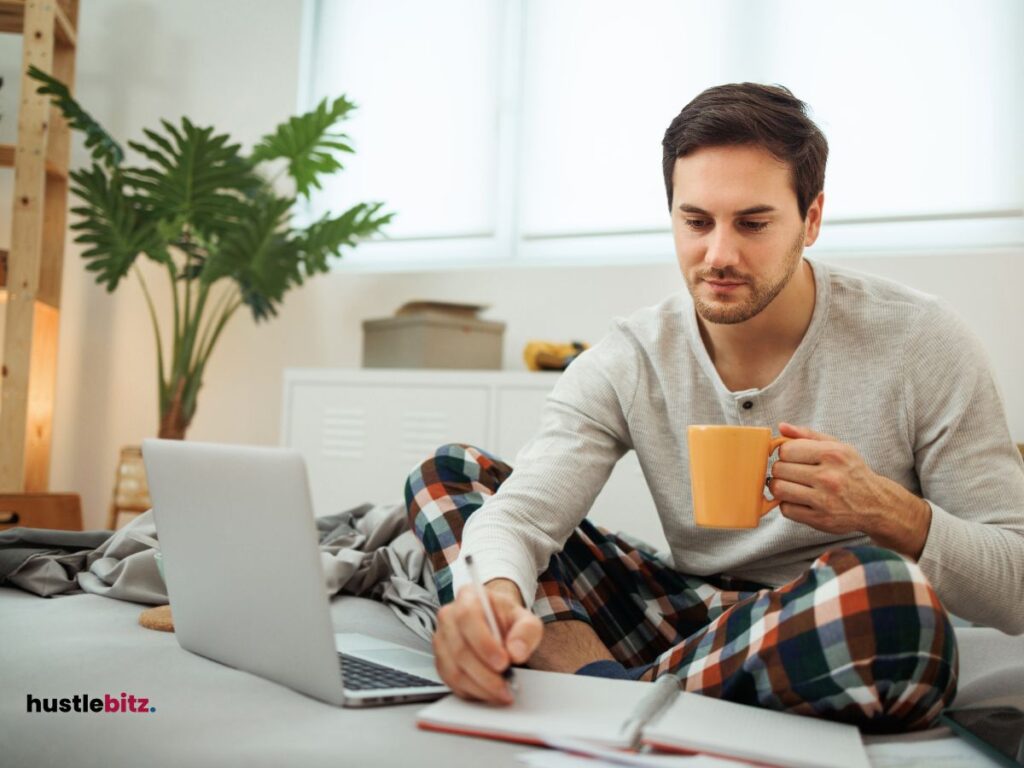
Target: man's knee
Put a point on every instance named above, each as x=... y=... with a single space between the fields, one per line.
x=883 y=573
x=891 y=587
x=906 y=645
x=447 y=458
x=449 y=485
x=427 y=482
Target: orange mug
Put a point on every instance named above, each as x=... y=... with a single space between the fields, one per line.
x=727 y=473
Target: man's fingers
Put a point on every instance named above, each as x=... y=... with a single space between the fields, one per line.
x=444 y=658
x=470 y=677
x=476 y=632
x=794 y=430
x=461 y=669
x=465 y=686
x=472 y=690
x=523 y=636
x=484 y=682
x=794 y=472
x=803 y=451
x=798 y=513
x=794 y=493
x=470 y=658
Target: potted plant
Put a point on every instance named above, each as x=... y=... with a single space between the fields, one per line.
x=210 y=216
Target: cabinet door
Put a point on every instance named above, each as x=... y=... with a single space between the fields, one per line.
x=361 y=440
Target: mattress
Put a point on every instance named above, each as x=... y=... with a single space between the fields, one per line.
x=207 y=714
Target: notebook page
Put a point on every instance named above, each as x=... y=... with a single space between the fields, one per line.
x=704 y=724
x=547 y=704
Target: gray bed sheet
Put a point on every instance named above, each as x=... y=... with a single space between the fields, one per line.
x=206 y=714
x=211 y=715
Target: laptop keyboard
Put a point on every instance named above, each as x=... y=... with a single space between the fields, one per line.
x=361 y=675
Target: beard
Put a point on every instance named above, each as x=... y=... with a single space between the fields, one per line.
x=760 y=293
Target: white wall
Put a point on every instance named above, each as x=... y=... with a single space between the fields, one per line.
x=235 y=64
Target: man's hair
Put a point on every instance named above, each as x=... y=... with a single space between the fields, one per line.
x=768 y=116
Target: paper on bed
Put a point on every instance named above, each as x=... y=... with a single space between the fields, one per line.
x=703 y=724
x=548 y=704
x=551 y=707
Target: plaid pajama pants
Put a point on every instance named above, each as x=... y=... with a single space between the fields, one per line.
x=860 y=637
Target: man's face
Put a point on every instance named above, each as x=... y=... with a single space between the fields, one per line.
x=738 y=233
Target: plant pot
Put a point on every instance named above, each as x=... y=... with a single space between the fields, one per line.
x=131 y=491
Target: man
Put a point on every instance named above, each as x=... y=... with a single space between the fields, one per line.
x=901 y=492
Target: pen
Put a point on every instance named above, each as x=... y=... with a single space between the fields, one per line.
x=508 y=674
x=662 y=691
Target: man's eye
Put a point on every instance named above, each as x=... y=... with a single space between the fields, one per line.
x=754 y=226
x=696 y=223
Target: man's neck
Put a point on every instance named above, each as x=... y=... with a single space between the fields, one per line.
x=751 y=354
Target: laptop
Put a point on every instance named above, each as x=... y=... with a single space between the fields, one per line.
x=244 y=578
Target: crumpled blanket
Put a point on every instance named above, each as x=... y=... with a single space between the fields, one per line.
x=370 y=551
x=367 y=551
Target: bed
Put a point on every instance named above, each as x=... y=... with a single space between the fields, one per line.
x=206 y=714
x=211 y=715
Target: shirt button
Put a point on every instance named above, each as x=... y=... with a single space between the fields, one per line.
x=747 y=405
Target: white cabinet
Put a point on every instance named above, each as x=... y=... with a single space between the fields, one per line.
x=362 y=431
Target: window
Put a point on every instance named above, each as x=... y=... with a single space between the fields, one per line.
x=529 y=131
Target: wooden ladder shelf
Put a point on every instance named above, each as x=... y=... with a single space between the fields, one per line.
x=32 y=274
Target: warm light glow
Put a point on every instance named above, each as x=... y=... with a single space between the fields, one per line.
x=42 y=387
x=3 y=326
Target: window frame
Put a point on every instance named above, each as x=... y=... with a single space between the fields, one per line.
x=952 y=232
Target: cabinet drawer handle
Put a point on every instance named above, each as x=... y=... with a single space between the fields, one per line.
x=8 y=518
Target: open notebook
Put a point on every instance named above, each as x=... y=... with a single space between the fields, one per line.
x=625 y=714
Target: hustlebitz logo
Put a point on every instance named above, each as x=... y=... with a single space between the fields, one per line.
x=83 y=702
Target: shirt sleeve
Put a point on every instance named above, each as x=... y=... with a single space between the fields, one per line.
x=970 y=472
x=559 y=473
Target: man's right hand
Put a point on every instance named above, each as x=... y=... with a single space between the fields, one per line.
x=469 y=658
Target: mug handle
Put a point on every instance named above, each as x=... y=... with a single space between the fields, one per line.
x=767 y=505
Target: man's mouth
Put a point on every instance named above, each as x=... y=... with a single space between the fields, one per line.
x=724 y=285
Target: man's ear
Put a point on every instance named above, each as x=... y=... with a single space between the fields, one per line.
x=814 y=219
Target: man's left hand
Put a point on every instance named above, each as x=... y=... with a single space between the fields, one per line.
x=825 y=484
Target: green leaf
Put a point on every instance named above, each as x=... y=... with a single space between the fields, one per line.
x=100 y=144
x=113 y=226
x=197 y=179
x=327 y=236
x=308 y=144
x=256 y=253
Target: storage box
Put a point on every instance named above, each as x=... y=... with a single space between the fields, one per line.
x=433 y=335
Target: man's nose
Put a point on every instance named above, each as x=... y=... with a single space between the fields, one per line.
x=722 y=249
